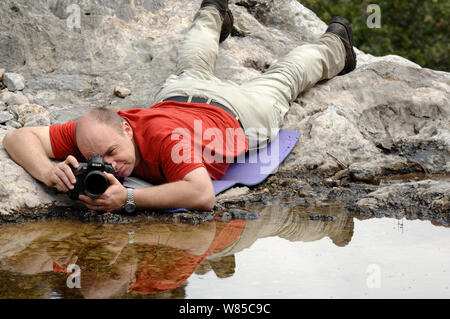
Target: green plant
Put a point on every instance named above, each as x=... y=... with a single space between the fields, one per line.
x=414 y=29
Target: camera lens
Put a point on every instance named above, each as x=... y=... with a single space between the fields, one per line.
x=95 y=183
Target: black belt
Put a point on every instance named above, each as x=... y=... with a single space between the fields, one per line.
x=196 y=99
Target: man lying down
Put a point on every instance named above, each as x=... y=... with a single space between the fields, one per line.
x=192 y=133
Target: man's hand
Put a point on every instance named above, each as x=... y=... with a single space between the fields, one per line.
x=113 y=199
x=61 y=174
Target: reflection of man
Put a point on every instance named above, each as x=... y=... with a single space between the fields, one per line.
x=162 y=257
x=168 y=268
x=292 y=224
x=141 y=141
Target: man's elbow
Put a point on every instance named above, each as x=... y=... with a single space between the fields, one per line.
x=201 y=191
x=7 y=139
x=207 y=202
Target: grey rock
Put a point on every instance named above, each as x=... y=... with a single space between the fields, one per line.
x=239 y=214
x=225 y=216
x=59 y=82
x=36 y=120
x=383 y=118
x=30 y=98
x=321 y=217
x=26 y=112
x=14 y=81
x=11 y=98
x=13 y=124
x=371 y=171
x=2 y=106
x=5 y=116
x=58 y=116
x=425 y=199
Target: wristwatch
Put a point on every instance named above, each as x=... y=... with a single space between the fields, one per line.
x=129 y=206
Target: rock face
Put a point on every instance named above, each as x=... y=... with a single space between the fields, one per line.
x=414 y=199
x=389 y=116
x=13 y=81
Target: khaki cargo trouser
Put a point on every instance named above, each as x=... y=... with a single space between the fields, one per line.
x=261 y=102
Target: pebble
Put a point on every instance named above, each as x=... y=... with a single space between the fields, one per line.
x=121 y=92
x=5 y=117
x=322 y=217
x=225 y=216
x=14 y=81
x=14 y=98
x=13 y=124
x=240 y=214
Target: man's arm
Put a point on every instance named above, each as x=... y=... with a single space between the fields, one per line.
x=30 y=147
x=194 y=191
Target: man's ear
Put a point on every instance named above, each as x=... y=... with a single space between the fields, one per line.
x=127 y=129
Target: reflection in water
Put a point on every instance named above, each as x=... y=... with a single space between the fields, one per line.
x=144 y=259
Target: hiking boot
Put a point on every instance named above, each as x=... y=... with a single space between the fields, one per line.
x=343 y=29
x=222 y=6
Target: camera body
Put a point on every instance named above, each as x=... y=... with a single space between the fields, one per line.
x=90 y=178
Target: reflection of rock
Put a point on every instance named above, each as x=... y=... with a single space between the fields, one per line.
x=223 y=267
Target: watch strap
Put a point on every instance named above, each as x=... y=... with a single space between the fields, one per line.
x=130 y=196
x=130 y=205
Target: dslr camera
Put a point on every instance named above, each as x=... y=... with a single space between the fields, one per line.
x=90 y=178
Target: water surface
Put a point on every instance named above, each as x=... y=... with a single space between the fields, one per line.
x=290 y=252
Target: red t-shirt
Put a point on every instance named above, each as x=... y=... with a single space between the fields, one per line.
x=173 y=138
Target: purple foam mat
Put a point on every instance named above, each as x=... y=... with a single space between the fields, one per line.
x=249 y=171
x=258 y=165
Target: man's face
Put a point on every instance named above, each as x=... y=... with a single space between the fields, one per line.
x=95 y=138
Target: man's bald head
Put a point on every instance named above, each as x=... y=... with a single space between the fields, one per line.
x=100 y=115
